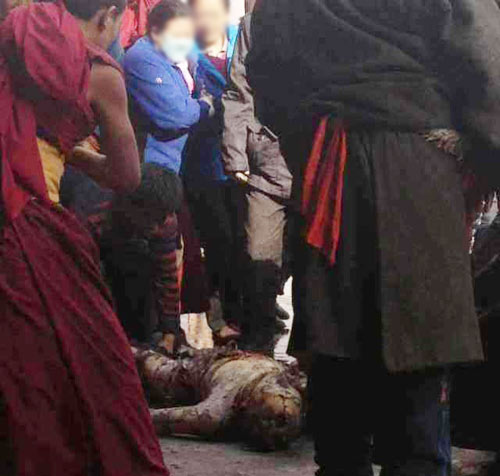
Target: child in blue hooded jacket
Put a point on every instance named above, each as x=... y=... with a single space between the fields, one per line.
x=211 y=194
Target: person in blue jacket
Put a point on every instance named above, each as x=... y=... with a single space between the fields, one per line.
x=211 y=194
x=160 y=76
x=167 y=102
x=216 y=40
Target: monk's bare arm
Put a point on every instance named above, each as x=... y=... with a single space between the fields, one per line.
x=118 y=167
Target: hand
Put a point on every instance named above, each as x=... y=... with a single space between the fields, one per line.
x=91 y=143
x=242 y=177
x=87 y=149
x=210 y=100
x=447 y=140
x=90 y=162
x=83 y=152
x=167 y=343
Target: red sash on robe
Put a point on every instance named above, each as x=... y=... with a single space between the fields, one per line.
x=323 y=187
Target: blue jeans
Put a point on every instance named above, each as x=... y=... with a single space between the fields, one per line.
x=361 y=415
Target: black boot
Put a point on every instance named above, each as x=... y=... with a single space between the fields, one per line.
x=281 y=313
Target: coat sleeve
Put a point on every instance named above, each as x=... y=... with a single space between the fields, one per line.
x=471 y=63
x=158 y=97
x=166 y=288
x=238 y=108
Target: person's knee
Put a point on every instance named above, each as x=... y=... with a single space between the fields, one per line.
x=262 y=246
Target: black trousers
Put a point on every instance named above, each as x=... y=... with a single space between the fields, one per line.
x=216 y=211
x=361 y=415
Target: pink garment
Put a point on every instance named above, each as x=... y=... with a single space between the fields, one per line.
x=186 y=74
x=219 y=63
x=219 y=58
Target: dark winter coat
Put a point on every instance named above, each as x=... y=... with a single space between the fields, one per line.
x=393 y=69
x=247 y=145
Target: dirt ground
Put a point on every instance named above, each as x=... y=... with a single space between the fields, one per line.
x=185 y=457
x=197 y=458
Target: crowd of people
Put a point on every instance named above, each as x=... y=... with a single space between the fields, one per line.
x=176 y=76
x=157 y=160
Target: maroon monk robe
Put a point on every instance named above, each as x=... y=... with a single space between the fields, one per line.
x=71 y=403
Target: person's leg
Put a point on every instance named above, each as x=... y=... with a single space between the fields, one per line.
x=414 y=435
x=211 y=221
x=340 y=417
x=264 y=233
x=213 y=224
x=193 y=278
x=233 y=305
x=129 y=270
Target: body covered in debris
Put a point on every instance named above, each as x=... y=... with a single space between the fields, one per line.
x=225 y=390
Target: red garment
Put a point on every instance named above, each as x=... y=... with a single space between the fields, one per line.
x=194 y=291
x=73 y=400
x=135 y=20
x=220 y=64
x=323 y=187
x=64 y=76
x=70 y=398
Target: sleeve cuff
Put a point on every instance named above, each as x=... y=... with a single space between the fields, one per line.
x=205 y=109
x=170 y=325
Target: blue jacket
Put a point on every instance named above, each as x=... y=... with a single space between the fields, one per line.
x=203 y=162
x=161 y=99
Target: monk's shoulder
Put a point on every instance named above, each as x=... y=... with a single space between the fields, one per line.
x=106 y=84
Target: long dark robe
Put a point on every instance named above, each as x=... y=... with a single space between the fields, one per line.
x=391 y=70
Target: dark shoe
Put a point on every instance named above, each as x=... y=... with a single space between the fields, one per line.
x=368 y=471
x=281 y=313
x=493 y=470
x=259 y=345
x=417 y=468
x=265 y=349
x=226 y=335
x=280 y=328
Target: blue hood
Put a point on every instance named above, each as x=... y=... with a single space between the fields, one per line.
x=203 y=161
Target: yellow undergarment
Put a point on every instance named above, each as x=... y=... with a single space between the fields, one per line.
x=53 y=162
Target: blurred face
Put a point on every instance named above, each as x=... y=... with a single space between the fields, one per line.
x=212 y=20
x=113 y=28
x=176 y=39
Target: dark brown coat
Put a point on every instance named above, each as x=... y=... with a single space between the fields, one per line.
x=247 y=145
x=393 y=69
